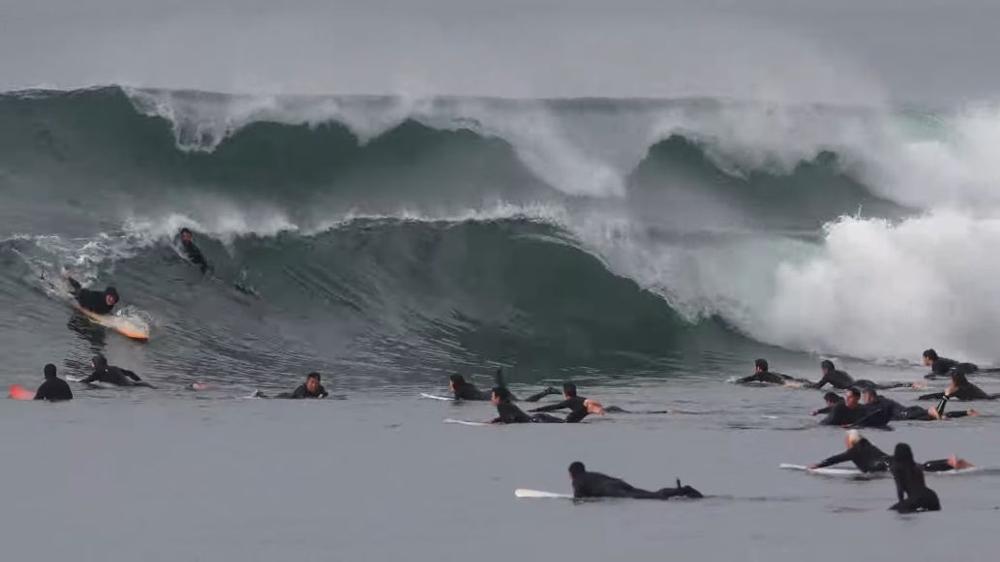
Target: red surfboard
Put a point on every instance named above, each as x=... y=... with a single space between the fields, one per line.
x=18 y=392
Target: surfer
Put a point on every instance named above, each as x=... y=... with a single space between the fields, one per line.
x=309 y=389
x=911 y=491
x=54 y=389
x=960 y=388
x=869 y=458
x=850 y=412
x=762 y=374
x=191 y=251
x=841 y=380
x=98 y=302
x=941 y=366
x=113 y=375
x=462 y=389
x=896 y=411
x=831 y=399
x=596 y=485
x=509 y=413
x=578 y=406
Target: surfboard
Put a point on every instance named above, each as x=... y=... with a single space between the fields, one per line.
x=539 y=494
x=18 y=392
x=436 y=397
x=132 y=328
x=855 y=473
x=466 y=422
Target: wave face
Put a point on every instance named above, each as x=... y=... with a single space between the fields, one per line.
x=389 y=236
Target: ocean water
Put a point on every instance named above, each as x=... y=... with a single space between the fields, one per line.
x=647 y=249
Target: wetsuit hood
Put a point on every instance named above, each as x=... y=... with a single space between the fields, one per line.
x=577 y=469
x=50 y=371
x=99 y=362
x=112 y=292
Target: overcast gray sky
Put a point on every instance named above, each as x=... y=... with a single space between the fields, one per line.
x=850 y=51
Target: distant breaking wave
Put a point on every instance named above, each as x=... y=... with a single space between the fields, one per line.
x=554 y=234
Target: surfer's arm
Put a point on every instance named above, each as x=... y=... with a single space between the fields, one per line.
x=90 y=379
x=41 y=393
x=835 y=459
x=74 y=285
x=131 y=375
x=552 y=407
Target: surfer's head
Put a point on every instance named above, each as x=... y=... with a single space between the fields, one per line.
x=186 y=235
x=760 y=366
x=577 y=469
x=903 y=454
x=111 y=296
x=50 y=371
x=501 y=395
x=99 y=361
x=930 y=356
x=455 y=381
x=827 y=366
x=569 y=390
x=312 y=383
x=832 y=398
x=870 y=395
x=851 y=397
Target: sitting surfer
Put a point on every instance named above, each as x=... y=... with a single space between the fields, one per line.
x=578 y=406
x=110 y=374
x=98 y=302
x=191 y=251
x=596 y=485
x=960 y=388
x=942 y=366
x=869 y=458
x=762 y=374
x=831 y=399
x=850 y=412
x=897 y=412
x=841 y=380
x=54 y=389
x=309 y=389
x=462 y=389
x=911 y=491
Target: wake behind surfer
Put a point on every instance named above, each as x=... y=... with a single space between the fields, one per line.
x=98 y=302
x=54 y=389
x=110 y=374
x=596 y=485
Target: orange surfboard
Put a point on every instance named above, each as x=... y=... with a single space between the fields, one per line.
x=130 y=328
x=18 y=392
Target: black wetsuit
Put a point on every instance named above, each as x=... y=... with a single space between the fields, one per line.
x=942 y=367
x=578 y=410
x=468 y=391
x=54 y=389
x=828 y=409
x=93 y=301
x=116 y=376
x=842 y=415
x=842 y=381
x=899 y=412
x=912 y=492
x=509 y=413
x=963 y=392
x=194 y=255
x=302 y=392
x=597 y=485
x=864 y=455
x=767 y=377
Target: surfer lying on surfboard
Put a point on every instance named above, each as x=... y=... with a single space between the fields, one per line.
x=191 y=251
x=462 y=389
x=578 y=406
x=98 y=302
x=596 y=485
x=113 y=375
x=869 y=458
x=310 y=389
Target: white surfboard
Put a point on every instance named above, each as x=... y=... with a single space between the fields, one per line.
x=466 y=422
x=539 y=494
x=436 y=397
